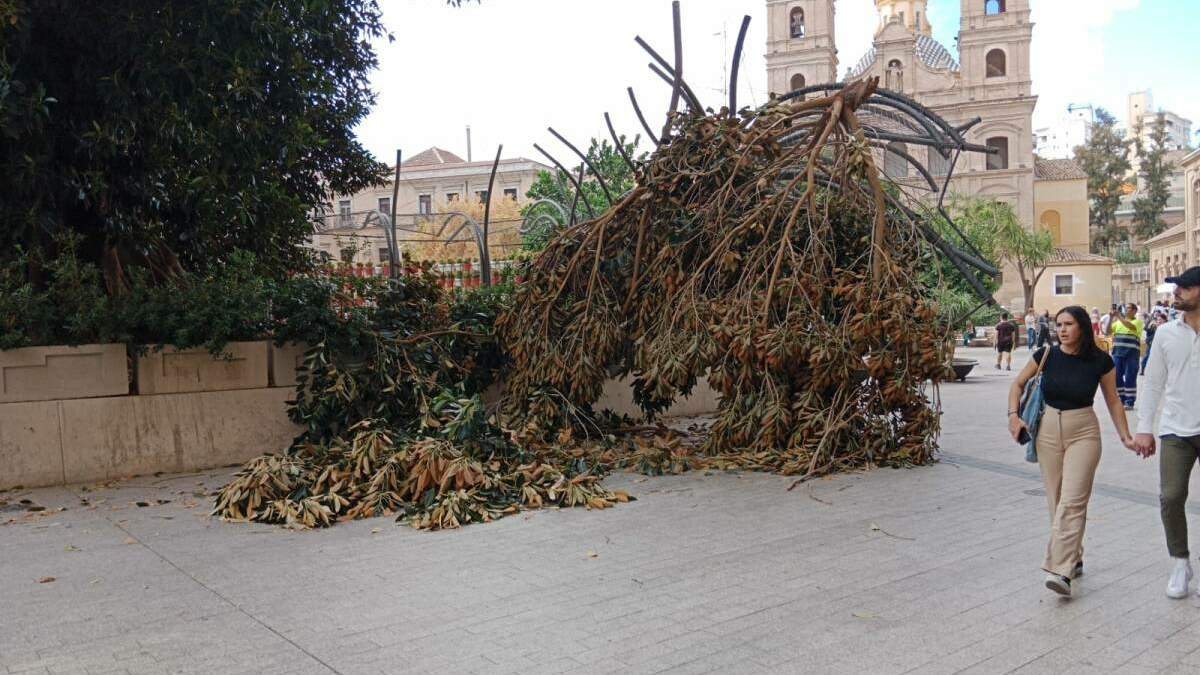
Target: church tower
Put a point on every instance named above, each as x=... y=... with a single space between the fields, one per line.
x=800 y=46
x=994 y=40
x=993 y=45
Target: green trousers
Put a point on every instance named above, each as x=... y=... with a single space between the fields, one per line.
x=1176 y=457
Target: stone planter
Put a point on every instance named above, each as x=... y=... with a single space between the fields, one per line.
x=58 y=372
x=177 y=371
x=962 y=367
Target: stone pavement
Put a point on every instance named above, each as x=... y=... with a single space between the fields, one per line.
x=929 y=570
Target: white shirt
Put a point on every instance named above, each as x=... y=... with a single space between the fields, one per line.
x=1173 y=375
x=1030 y=321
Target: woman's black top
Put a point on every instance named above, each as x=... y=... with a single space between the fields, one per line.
x=1069 y=382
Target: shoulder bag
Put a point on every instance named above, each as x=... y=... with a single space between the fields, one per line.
x=1031 y=407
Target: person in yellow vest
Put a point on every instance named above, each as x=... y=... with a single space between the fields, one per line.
x=1127 y=352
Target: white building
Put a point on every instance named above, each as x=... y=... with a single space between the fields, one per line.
x=1071 y=131
x=1141 y=113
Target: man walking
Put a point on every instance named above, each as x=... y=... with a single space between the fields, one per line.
x=1173 y=376
x=1126 y=352
x=1030 y=328
x=1006 y=333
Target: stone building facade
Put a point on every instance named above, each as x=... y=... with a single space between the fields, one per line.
x=1178 y=248
x=428 y=182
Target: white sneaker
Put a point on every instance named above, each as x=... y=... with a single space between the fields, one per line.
x=1060 y=584
x=1177 y=586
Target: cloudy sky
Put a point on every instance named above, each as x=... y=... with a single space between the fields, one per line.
x=512 y=68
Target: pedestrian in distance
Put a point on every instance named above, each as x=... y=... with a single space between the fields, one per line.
x=968 y=333
x=1156 y=319
x=1006 y=333
x=1127 y=353
x=1173 y=379
x=1068 y=438
x=1030 y=328
x=1044 y=331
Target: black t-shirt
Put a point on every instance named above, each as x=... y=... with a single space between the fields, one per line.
x=1004 y=332
x=1069 y=382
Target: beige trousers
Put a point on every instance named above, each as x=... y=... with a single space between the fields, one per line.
x=1068 y=450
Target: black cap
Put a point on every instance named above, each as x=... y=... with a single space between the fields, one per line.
x=1190 y=277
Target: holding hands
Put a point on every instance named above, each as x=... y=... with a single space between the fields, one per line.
x=1142 y=444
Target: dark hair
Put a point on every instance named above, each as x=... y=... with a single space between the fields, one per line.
x=1088 y=348
x=1004 y=315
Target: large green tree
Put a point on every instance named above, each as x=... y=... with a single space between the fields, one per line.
x=614 y=172
x=1154 y=175
x=169 y=134
x=1105 y=159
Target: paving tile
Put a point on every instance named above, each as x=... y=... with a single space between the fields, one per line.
x=928 y=570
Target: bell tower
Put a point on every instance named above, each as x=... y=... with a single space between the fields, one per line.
x=993 y=45
x=800 y=46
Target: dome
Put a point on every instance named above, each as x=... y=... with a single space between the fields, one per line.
x=933 y=54
x=930 y=51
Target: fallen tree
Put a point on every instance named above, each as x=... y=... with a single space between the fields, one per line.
x=761 y=251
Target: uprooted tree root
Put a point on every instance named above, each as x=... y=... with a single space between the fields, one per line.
x=757 y=250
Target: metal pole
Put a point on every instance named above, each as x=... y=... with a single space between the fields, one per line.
x=394 y=249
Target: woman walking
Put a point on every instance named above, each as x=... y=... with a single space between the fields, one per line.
x=1068 y=439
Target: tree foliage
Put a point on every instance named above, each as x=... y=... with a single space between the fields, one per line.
x=170 y=134
x=1105 y=159
x=614 y=173
x=1154 y=176
x=996 y=230
x=953 y=295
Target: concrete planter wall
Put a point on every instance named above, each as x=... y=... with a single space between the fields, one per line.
x=285 y=362
x=66 y=415
x=52 y=373
x=177 y=371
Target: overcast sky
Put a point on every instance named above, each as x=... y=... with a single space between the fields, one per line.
x=511 y=68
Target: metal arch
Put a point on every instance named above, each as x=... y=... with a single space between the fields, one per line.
x=532 y=218
x=389 y=237
x=886 y=117
x=485 y=262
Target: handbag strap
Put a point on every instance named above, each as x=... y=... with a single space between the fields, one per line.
x=1042 y=363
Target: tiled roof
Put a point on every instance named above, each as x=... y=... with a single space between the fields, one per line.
x=862 y=65
x=433 y=157
x=930 y=51
x=1057 y=169
x=1166 y=234
x=933 y=53
x=1064 y=255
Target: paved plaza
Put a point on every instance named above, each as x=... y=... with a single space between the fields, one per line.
x=929 y=570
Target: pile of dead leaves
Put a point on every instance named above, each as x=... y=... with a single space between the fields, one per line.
x=390 y=401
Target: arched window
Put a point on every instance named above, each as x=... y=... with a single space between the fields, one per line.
x=937 y=165
x=993 y=6
x=894 y=164
x=1052 y=222
x=999 y=158
x=894 y=75
x=997 y=63
x=797 y=81
x=797 y=22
